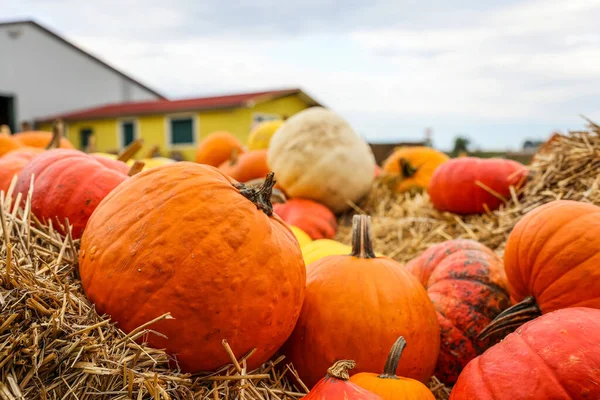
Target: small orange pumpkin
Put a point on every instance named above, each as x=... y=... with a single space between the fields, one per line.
x=412 y=167
x=246 y=166
x=13 y=163
x=336 y=386
x=8 y=144
x=312 y=217
x=217 y=147
x=388 y=385
x=40 y=139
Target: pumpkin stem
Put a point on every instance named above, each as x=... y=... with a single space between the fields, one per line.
x=136 y=168
x=393 y=358
x=362 y=246
x=406 y=169
x=512 y=317
x=260 y=196
x=57 y=133
x=131 y=150
x=340 y=369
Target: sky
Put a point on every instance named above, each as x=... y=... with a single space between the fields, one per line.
x=497 y=72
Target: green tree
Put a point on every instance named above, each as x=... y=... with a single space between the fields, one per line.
x=461 y=144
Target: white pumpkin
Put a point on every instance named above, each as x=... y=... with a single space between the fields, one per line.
x=317 y=155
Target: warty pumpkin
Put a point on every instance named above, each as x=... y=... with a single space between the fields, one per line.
x=388 y=385
x=555 y=356
x=336 y=385
x=41 y=139
x=471 y=185
x=260 y=136
x=186 y=239
x=466 y=282
x=246 y=166
x=312 y=217
x=412 y=167
x=13 y=163
x=68 y=184
x=316 y=155
x=353 y=298
x=217 y=147
x=551 y=261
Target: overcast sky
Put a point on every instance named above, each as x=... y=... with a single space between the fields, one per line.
x=500 y=72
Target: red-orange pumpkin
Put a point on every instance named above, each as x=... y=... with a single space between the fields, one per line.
x=552 y=260
x=336 y=386
x=555 y=356
x=471 y=185
x=186 y=239
x=356 y=307
x=467 y=285
x=217 y=147
x=246 y=166
x=40 y=139
x=13 y=163
x=313 y=218
x=68 y=184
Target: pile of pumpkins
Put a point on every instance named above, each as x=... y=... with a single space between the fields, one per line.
x=209 y=243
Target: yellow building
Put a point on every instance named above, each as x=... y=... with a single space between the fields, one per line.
x=176 y=125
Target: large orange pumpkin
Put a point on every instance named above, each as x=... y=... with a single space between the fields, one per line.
x=556 y=356
x=41 y=139
x=68 y=184
x=186 y=239
x=471 y=185
x=13 y=163
x=217 y=147
x=412 y=167
x=467 y=285
x=552 y=260
x=356 y=306
x=246 y=166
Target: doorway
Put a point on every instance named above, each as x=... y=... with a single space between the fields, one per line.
x=7 y=112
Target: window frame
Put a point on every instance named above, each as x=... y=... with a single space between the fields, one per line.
x=169 y=134
x=120 y=131
x=81 y=129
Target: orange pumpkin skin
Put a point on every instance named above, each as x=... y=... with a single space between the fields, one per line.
x=68 y=184
x=453 y=186
x=551 y=261
x=466 y=282
x=40 y=139
x=12 y=164
x=8 y=144
x=247 y=166
x=217 y=148
x=184 y=240
x=354 y=298
x=555 y=356
x=336 y=386
x=313 y=218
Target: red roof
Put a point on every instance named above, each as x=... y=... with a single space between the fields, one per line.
x=169 y=106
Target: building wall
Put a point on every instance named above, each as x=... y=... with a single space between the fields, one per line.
x=48 y=77
x=152 y=128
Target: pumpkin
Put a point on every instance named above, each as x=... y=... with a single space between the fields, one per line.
x=261 y=135
x=217 y=147
x=336 y=385
x=301 y=236
x=13 y=163
x=8 y=144
x=551 y=261
x=246 y=166
x=68 y=184
x=471 y=185
x=321 y=248
x=316 y=155
x=466 y=282
x=191 y=241
x=388 y=385
x=156 y=162
x=352 y=298
x=312 y=217
x=555 y=356
x=41 y=139
x=412 y=167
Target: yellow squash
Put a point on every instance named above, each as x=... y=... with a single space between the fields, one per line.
x=260 y=137
x=412 y=167
x=301 y=236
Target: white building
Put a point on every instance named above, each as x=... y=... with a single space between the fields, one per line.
x=43 y=74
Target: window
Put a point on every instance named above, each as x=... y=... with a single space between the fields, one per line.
x=257 y=118
x=127 y=133
x=182 y=130
x=84 y=137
